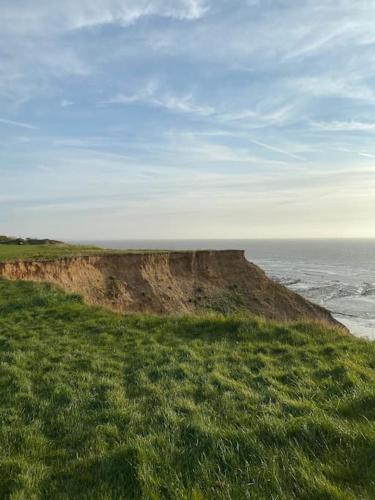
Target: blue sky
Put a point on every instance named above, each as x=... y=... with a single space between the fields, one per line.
x=187 y=118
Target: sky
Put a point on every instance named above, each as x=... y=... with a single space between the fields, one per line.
x=151 y=119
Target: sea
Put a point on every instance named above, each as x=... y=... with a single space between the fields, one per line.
x=337 y=274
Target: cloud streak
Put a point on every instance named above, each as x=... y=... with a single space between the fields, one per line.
x=17 y=124
x=344 y=126
x=152 y=95
x=278 y=150
x=33 y=17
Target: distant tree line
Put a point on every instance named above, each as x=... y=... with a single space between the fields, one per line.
x=10 y=240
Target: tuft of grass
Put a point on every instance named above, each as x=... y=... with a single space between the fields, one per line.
x=229 y=300
x=95 y=405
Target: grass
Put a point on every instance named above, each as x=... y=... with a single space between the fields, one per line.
x=95 y=405
x=45 y=252
x=51 y=252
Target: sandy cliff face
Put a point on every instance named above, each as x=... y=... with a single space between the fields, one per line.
x=170 y=283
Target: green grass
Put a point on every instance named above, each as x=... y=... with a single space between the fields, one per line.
x=45 y=252
x=100 y=406
x=51 y=252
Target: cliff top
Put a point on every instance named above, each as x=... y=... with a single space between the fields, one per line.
x=164 y=282
x=43 y=251
x=56 y=250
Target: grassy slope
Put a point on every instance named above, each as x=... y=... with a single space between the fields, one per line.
x=95 y=405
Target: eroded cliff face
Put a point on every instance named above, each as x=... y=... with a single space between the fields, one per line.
x=170 y=282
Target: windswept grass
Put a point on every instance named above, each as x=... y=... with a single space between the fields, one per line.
x=51 y=252
x=98 y=406
x=45 y=252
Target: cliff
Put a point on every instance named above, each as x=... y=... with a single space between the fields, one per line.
x=170 y=282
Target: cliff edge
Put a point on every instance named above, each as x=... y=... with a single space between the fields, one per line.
x=171 y=282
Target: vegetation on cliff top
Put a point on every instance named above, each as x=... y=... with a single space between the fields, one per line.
x=98 y=405
x=13 y=240
x=44 y=252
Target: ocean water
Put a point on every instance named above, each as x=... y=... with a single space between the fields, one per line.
x=337 y=274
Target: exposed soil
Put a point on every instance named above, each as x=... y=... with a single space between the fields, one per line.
x=171 y=282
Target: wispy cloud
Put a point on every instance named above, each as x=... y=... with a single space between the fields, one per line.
x=363 y=154
x=277 y=150
x=338 y=86
x=366 y=155
x=257 y=118
x=17 y=124
x=152 y=95
x=196 y=149
x=34 y=51
x=65 y=103
x=27 y=17
x=344 y=126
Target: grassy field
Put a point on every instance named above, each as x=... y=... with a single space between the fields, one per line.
x=45 y=252
x=100 y=406
x=51 y=252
